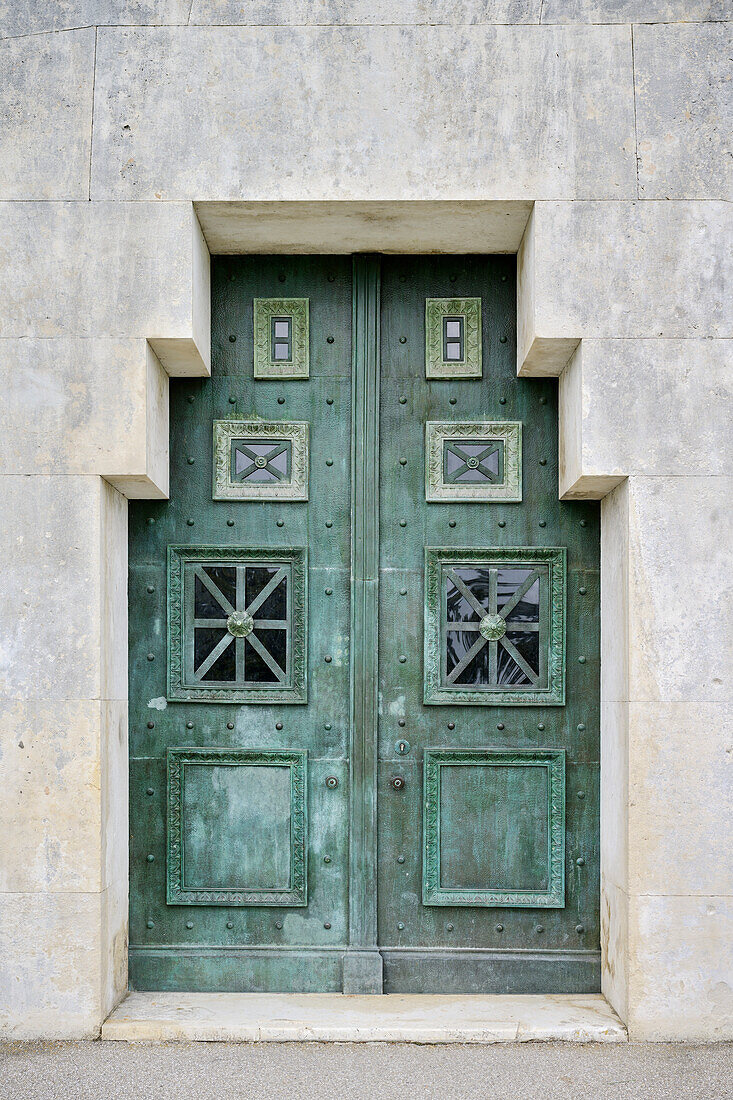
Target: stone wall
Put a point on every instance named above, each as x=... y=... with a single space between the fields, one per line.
x=138 y=134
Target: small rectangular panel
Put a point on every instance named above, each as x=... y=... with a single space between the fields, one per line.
x=495 y=626
x=236 y=827
x=237 y=624
x=479 y=461
x=260 y=460
x=452 y=337
x=494 y=828
x=281 y=338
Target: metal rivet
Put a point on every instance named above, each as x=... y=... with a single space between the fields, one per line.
x=451 y=725
x=150 y=857
x=329 y=401
x=502 y=523
x=278 y=924
x=403 y=523
x=403 y=592
x=502 y=400
x=580 y=862
x=403 y=339
x=540 y=725
x=150 y=589
x=191 y=399
x=232 y=339
x=189 y=522
x=452 y=278
x=329 y=339
x=326 y=859
x=449 y=927
x=150 y=791
x=503 y=278
x=583 y=523
x=543 y=523
x=329 y=462
x=581 y=726
x=403 y=400
x=500 y=725
x=190 y=460
x=581 y=660
x=189 y=924
x=400 y=859
x=328 y=660
x=326 y=924
x=580 y=929
x=189 y=725
x=230 y=924
x=403 y=659
x=401 y=722
x=281 y=400
x=331 y=277
x=452 y=400
x=451 y=523
x=332 y=782
x=400 y=926
x=230 y=523
x=502 y=339
x=151 y=520
x=581 y=795
x=280 y=523
x=398 y=782
x=151 y=656
x=582 y=590
x=499 y=927
x=543 y=401
x=543 y=462
x=403 y=462
x=278 y=725
x=539 y=929
x=328 y=591
x=232 y=400
x=327 y=726
x=281 y=276
x=230 y=725
x=329 y=523
x=150 y=924
x=151 y=725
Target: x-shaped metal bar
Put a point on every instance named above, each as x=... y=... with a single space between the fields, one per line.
x=275 y=453
x=457 y=450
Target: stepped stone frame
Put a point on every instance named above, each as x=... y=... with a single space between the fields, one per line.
x=616 y=213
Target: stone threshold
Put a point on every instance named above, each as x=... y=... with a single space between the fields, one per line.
x=337 y=1018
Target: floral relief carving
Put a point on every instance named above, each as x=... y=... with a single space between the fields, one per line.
x=435 y=310
x=506 y=432
x=294 y=433
x=264 y=365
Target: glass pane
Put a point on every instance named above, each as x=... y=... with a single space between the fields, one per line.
x=508 y=672
x=452 y=351
x=282 y=351
x=453 y=329
x=257 y=671
x=256 y=461
x=255 y=579
x=458 y=644
x=204 y=643
x=528 y=608
x=528 y=644
x=477 y=582
x=206 y=605
x=282 y=329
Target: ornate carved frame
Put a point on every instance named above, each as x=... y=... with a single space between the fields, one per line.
x=264 y=365
x=508 y=432
x=435 y=310
x=294 y=432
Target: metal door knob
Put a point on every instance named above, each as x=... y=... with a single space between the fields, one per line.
x=398 y=782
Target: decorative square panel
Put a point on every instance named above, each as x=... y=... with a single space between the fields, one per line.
x=494 y=828
x=237 y=624
x=260 y=460
x=495 y=626
x=452 y=337
x=281 y=338
x=479 y=460
x=236 y=827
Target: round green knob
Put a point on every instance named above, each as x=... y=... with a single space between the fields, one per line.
x=492 y=627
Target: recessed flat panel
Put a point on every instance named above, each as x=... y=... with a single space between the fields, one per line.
x=493 y=831
x=236 y=827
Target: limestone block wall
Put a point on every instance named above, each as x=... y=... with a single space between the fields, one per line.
x=591 y=137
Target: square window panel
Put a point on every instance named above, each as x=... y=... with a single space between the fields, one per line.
x=260 y=460
x=236 y=827
x=494 y=828
x=237 y=624
x=473 y=461
x=281 y=338
x=452 y=337
x=495 y=626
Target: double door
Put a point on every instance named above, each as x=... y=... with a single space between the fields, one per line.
x=364 y=649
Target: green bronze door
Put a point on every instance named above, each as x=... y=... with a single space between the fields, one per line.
x=364 y=649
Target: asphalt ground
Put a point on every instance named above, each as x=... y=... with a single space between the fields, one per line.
x=361 y=1071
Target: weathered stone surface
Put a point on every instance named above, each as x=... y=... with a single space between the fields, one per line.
x=615 y=946
x=615 y=596
x=46 y=88
x=681 y=974
x=684 y=110
x=644 y=269
x=20 y=17
x=680 y=590
x=81 y=405
x=626 y=404
x=677 y=844
x=371 y=12
x=551 y=113
x=633 y=11
x=108 y=269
